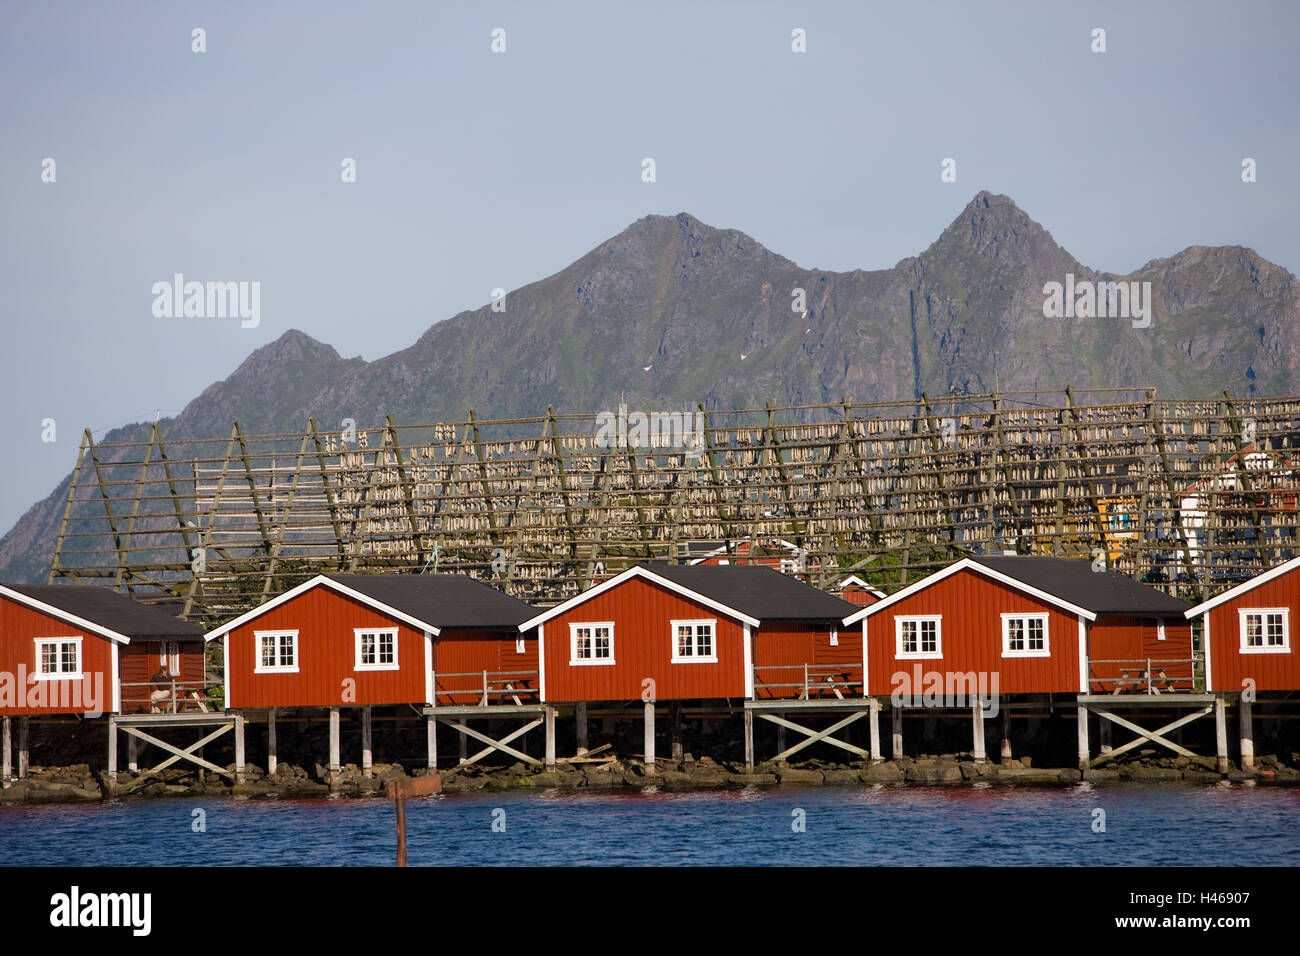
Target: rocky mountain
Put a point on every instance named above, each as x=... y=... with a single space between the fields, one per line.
x=671 y=312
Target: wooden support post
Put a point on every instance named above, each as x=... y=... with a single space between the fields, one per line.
x=400 y=801
x=649 y=733
x=876 y=755
x=464 y=743
x=580 y=718
x=367 y=743
x=334 y=742
x=112 y=754
x=749 y=740
x=239 y=748
x=1221 y=734
x=272 y=758
x=977 y=732
x=1245 y=716
x=675 y=729
x=780 y=736
x=132 y=763
x=1006 y=734
x=24 y=755
x=896 y=713
x=7 y=762
x=1082 y=731
x=549 y=731
x=1103 y=737
x=431 y=730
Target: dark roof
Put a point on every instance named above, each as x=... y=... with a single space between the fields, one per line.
x=760 y=592
x=443 y=600
x=111 y=610
x=1073 y=580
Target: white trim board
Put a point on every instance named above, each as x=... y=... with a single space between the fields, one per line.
x=318 y=581
x=1240 y=589
x=962 y=565
x=637 y=571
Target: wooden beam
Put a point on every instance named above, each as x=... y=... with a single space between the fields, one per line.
x=977 y=732
x=1244 y=717
x=649 y=733
x=189 y=753
x=550 y=736
x=467 y=731
x=1006 y=735
x=749 y=740
x=815 y=736
x=876 y=755
x=1221 y=734
x=1154 y=736
x=896 y=716
x=367 y=743
x=272 y=762
x=580 y=720
x=7 y=762
x=1085 y=751
x=334 y=767
x=24 y=755
x=431 y=733
x=239 y=748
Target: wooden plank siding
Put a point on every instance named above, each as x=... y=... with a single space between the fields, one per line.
x=642 y=612
x=970 y=606
x=790 y=645
x=472 y=652
x=20 y=626
x=1229 y=668
x=1138 y=640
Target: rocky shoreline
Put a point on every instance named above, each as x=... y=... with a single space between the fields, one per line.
x=77 y=784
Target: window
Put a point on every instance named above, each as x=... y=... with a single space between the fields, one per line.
x=169 y=657
x=277 y=652
x=1024 y=635
x=520 y=646
x=591 y=643
x=58 y=658
x=1265 y=630
x=693 y=642
x=376 y=649
x=835 y=637
x=918 y=637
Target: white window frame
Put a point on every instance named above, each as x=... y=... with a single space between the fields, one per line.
x=521 y=645
x=1010 y=616
x=58 y=675
x=835 y=637
x=918 y=655
x=678 y=658
x=356 y=636
x=258 y=667
x=1283 y=648
x=590 y=661
x=170 y=657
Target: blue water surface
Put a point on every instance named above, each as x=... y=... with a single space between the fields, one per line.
x=1217 y=826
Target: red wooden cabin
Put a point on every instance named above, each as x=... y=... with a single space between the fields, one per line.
x=777 y=553
x=693 y=632
x=1246 y=633
x=89 y=650
x=857 y=591
x=1027 y=625
x=379 y=639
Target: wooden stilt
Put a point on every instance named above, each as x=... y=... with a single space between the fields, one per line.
x=431 y=731
x=780 y=736
x=896 y=714
x=112 y=754
x=1006 y=734
x=334 y=742
x=400 y=802
x=239 y=748
x=675 y=730
x=7 y=761
x=132 y=763
x=1221 y=734
x=548 y=730
x=876 y=755
x=1245 y=717
x=1082 y=731
x=977 y=732
x=464 y=744
x=367 y=742
x=749 y=740
x=1103 y=737
x=649 y=733
x=580 y=720
x=272 y=759
x=24 y=755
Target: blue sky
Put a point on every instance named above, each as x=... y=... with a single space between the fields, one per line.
x=479 y=170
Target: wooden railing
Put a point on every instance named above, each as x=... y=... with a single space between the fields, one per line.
x=182 y=696
x=1149 y=675
x=487 y=687
x=811 y=680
